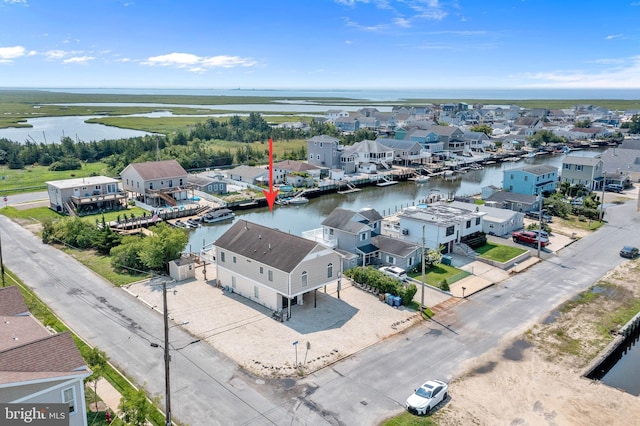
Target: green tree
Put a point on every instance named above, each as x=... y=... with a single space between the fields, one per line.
x=165 y=244
x=583 y=124
x=135 y=407
x=634 y=125
x=127 y=254
x=97 y=362
x=484 y=128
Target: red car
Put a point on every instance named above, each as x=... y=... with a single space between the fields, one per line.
x=528 y=237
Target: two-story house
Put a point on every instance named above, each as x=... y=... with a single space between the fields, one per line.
x=85 y=195
x=586 y=171
x=367 y=152
x=156 y=183
x=296 y=173
x=36 y=366
x=440 y=224
x=273 y=268
x=324 y=151
x=452 y=138
x=406 y=152
x=357 y=237
x=531 y=180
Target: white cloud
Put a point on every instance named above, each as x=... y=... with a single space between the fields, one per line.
x=78 y=60
x=9 y=53
x=55 y=54
x=24 y=2
x=621 y=77
x=198 y=63
x=611 y=37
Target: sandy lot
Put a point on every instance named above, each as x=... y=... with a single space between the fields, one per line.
x=532 y=379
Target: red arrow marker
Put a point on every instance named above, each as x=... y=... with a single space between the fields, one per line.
x=271 y=194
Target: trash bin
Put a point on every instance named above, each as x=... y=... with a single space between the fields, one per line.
x=397 y=300
x=386 y=298
x=446 y=260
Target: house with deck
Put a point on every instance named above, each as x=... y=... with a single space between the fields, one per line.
x=324 y=151
x=358 y=238
x=87 y=195
x=156 y=183
x=273 y=268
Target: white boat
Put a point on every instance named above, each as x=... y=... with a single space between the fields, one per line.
x=448 y=173
x=298 y=200
x=421 y=179
x=218 y=216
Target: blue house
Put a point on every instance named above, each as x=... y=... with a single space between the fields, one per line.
x=530 y=180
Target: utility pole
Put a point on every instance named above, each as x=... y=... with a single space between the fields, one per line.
x=604 y=184
x=423 y=260
x=540 y=223
x=166 y=356
x=1 y=262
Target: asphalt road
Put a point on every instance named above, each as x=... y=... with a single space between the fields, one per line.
x=208 y=389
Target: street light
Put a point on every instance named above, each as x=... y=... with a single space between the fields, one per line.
x=423 y=259
x=604 y=183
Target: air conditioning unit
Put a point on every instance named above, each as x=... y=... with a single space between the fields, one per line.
x=405 y=231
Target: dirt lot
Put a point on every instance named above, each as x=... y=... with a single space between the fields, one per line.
x=536 y=378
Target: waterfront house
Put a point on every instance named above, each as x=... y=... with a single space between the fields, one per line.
x=248 y=174
x=530 y=180
x=357 y=237
x=156 y=183
x=85 y=195
x=366 y=152
x=37 y=366
x=496 y=221
x=347 y=124
x=406 y=152
x=622 y=165
x=273 y=268
x=440 y=224
x=324 y=151
x=214 y=185
x=585 y=171
x=452 y=138
x=296 y=173
x=496 y=197
x=333 y=114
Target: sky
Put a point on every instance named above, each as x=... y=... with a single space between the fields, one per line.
x=320 y=44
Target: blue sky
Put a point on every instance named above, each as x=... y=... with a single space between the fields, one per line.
x=324 y=44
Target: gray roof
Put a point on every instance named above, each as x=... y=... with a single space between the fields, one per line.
x=585 y=161
x=440 y=214
x=502 y=196
x=621 y=159
x=343 y=219
x=77 y=182
x=398 y=144
x=367 y=146
x=538 y=169
x=491 y=212
x=268 y=246
x=394 y=245
x=324 y=138
x=248 y=172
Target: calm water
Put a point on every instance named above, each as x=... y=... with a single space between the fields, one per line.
x=296 y=219
x=625 y=374
x=377 y=94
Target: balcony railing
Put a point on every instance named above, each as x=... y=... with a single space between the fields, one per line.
x=317 y=235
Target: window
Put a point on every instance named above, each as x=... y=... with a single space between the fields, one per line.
x=303 y=278
x=331 y=231
x=411 y=261
x=270 y=275
x=566 y=166
x=256 y=292
x=318 y=156
x=477 y=221
x=261 y=270
x=363 y=236
x=69 y=397
x=233 y=282
x=511 y=177
x=468 y=224
x=234 y=259
x=221 y=256
x=391 y=260
x=330 y=270
x=450 y=230
x=526 y=178
x=579 y=167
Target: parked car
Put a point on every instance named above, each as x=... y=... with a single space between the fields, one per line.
x=578 y=201
x=629 y=252
x=529 y=237
x=426 y=397
x=614 y=187
x=394 y=271
x=543 y=234
x=536 y=215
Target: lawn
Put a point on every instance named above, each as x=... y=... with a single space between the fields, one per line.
x=439 y=273
x=498 y=252
x=408 y=419
x=41 y=214
x=101 y=265
x=33 y=178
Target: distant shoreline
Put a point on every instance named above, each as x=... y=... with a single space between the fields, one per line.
x=385 y=95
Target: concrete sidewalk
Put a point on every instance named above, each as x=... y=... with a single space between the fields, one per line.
x=109 y=395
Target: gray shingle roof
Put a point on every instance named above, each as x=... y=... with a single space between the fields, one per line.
x=57 y=352
x=343 y=219
x=538 y=169
x=269 y=246
x=393 y=245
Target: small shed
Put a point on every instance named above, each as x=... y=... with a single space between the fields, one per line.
x=182 y=269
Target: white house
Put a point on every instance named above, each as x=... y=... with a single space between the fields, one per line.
x=271 y=267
